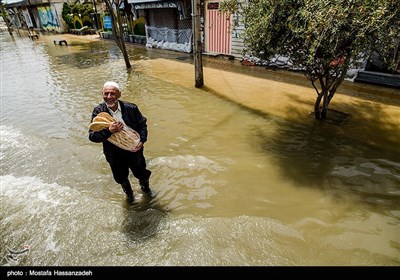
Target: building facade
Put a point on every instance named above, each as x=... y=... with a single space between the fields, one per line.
x=163 y=24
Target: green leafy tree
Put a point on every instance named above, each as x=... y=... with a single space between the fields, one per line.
x=321 y=37
x=117 y=28
x=69 y=10
x=4 y=15
x=67 y=15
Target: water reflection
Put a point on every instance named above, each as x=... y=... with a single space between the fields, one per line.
x=143 y=220
x=320 y=157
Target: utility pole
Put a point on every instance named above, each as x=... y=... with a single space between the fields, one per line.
x=197 y=47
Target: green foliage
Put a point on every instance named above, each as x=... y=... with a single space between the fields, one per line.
x=231 y=6
x=69 y=10
x=315 y=32
x=66 y=15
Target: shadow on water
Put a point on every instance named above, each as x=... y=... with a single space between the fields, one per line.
x=374 y=127
x=336 y=157
x=143 y=219
x=346 y=158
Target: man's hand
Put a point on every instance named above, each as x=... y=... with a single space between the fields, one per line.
x=115 y=127
x=138 y=146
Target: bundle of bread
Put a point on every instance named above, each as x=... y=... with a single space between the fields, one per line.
x=126 y=139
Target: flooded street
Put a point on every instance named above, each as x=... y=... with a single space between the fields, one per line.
x=236 y=187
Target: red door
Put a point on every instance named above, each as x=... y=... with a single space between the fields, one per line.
x=217 y=30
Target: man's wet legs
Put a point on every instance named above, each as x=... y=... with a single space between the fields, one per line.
x=127 y=188
x=145 y=187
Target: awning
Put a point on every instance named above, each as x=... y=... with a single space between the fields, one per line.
x=153 y=4
x=16 y=3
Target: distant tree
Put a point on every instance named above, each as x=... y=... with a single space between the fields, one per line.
x=4 y=15
x=117 y=29
x=321 y=37
x=69 y=10
x=67 y=15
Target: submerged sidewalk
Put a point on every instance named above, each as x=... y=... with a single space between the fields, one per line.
x=264 y=95
x=374 y=111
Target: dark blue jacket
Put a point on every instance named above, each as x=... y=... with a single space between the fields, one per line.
x=131 y=116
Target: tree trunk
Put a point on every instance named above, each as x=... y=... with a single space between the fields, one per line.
x=116 y=23
x=122 y=41
x=6 y=20
x=325 y=104
x=317 y=105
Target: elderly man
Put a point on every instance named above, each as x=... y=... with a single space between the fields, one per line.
x=120 y=160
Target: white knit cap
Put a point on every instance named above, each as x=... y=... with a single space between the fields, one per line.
x=113 y=84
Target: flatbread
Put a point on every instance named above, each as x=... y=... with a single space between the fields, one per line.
x=104 y=115
x=96 y=126
x=126 y=139
x=101 y=119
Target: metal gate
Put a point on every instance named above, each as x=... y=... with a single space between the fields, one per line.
x=217 y=30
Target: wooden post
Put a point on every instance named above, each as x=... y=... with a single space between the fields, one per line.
x=197 y=47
